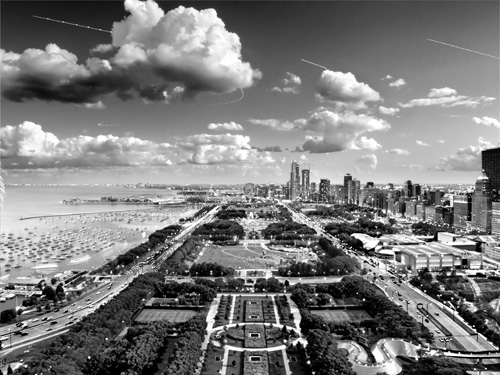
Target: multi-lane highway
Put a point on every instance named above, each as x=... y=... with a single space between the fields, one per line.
x=59 y=320
x=412 y=300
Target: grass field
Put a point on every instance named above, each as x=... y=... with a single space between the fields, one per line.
x=174 y=316
x=234 y=256
x=342 y=315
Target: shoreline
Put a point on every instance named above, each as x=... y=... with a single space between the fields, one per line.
x=87 y=213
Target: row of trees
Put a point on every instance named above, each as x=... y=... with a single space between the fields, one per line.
x=220 y=230
x=289 y=230
x=205 y=291
x=231 y=214
x=177 y=262
x=86 y=340
x=362 y=225
x=333 y=261
x=210 y=269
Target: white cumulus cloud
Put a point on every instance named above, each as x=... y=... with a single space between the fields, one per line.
x=447 y=97
x=276 y=124
x=466 y=158
x=388 y=111
x=344 y=90
x=398 y=83
x=488 y=121
x=222 y=149
x=397 y=151
x=27 y=145
x=334 y=132
x=225 y=126
x=370 y=161
x=290 y=84
x=152 y=53
x=422 y=143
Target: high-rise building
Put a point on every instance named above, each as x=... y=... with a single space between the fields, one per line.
x=495 y=218
x=347 y=178
x=324 y=190
x=305 y=183
x=294 y=181
x=407 y=189
x=462 y=210
x=353 y=188
x=370 y=184
x=416 y=190
x=490 y=160
x=482 y=204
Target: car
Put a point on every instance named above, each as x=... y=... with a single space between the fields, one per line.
x=56 y=310
x=66 y=311
x=49 y=329
x=49 y=318
x=53 y=322
x=24 y=333
x=88 y=299
x=44 y=319
x=98 y=293
x=73 y=304
x=19 y=324
x=438 y=331
x=436 y=313
x=3 y=338
x=71 y=317
x=442 y=340
x=35 y=320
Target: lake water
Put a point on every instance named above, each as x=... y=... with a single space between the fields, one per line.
x=85 y=240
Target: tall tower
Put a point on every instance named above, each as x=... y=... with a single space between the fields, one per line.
x=324 y=190
x=347 y=178
x=294 y=181
x=491 y=165
x=305 y=183
x=482 y=204
x=407 y=189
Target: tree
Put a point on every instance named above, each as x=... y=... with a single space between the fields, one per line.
x=7 y=315
x=9 y=370
x=60 y=291
x=49 y=292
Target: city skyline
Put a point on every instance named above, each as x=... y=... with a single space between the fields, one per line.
x=162 y=100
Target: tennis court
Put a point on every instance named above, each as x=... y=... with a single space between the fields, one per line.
x=342 y=315
x=174 y=316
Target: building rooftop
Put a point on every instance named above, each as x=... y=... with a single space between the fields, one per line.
x=435 y=249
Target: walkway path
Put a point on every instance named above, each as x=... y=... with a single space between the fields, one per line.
x=276 y=315
x=231 y=312
x=475 y=287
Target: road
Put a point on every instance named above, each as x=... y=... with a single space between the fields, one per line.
x=68 y=315
x=410 y=299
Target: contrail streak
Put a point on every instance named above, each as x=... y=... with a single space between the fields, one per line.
x=233 y=101
x=309 y=62
x=73 y=24
x=465 y=49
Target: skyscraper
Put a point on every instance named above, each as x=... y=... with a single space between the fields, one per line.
x=324 y=190
x=408 y=189
x=305 y=184
x=347 y=178
x=491 y=165
x=294 y=181
x=482 y=204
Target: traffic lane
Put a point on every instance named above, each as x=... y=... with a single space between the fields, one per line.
x=460 y=334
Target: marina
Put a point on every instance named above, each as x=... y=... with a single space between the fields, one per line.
x=59 y=241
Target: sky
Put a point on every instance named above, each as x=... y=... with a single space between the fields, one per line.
x=232 y=92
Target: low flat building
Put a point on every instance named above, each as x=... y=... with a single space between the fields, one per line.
x=436 y=256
